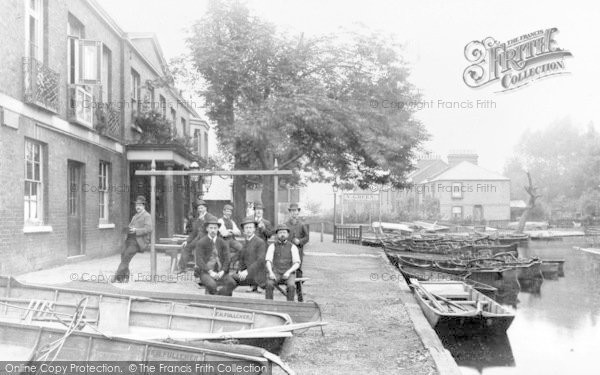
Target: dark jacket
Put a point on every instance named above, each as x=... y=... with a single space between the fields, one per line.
x=267 y=232
x=143 y=227
x=204 y=248
x=298 y=231
x=252 y=258
x=198 y=231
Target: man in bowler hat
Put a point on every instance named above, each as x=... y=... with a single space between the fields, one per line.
x=212 y=260
x=264 y=229
x=138 y=238
x=252 y=269
x=282 y=261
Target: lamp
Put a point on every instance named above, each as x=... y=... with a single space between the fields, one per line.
x=206 y=182
x=195 y=168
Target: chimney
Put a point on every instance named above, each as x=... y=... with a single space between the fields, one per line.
x=457 y=157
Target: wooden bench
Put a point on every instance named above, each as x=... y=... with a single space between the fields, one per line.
x=172 y=250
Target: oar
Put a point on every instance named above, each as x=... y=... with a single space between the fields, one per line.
x=431 y=298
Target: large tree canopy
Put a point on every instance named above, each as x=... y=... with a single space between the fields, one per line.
x=564 y=162
x=309 y=102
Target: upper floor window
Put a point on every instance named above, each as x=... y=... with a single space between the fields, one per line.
x=34 y=183
x=135 y=92
x=163 y=105
x=184 y=127
x=34 y=33
x=174 y=120
x=457 y=190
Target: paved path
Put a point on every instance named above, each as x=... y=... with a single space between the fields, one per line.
x=374 y=325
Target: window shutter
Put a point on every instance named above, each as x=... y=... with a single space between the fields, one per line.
x=90 y=62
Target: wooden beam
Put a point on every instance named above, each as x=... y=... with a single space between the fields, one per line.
x=211 y=173
x=153 y=218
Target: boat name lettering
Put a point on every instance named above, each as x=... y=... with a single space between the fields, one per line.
x=233 y=315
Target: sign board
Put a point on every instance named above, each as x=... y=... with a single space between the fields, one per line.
x=356 y=197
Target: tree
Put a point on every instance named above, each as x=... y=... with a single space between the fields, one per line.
x=305 y=101
x=533 y=196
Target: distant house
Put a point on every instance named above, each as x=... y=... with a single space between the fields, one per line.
x=466 y=191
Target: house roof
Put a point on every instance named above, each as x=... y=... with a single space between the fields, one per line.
x=518 y=204
x=426 y=169
x=468 y=171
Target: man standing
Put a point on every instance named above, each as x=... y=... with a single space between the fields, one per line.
x=252 y=257
x=228 y=230
x=282 y=261
x=299 y=235
x=198 y=231
x=212 y=260
x=138 y=238
x=264 y=230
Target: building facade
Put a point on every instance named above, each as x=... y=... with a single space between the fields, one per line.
x=71 y=84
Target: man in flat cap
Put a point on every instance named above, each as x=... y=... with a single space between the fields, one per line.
x=252 y=269
x=282 y=261
x=264 y=229
x=138 y=238
x=228 y=230
x=198 y=231
x=212 y=260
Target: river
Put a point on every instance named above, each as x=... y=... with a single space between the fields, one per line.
x=557 y=325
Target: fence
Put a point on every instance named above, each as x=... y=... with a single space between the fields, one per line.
x=347 y=233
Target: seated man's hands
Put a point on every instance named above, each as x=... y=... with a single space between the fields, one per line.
x=212 y=274
x=286 y=275
x=243 y=274
x=296 y=241
x=272 y=276
x=220 y=275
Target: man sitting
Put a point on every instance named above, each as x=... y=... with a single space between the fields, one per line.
x=282 y=261
x=252 y=269
x=197 y=233
x=228 y=230
x=212 y=260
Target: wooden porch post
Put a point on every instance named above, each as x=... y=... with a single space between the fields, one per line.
x=153 y=216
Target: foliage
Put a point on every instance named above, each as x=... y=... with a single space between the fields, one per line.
x=564 y=163
x=304 y=100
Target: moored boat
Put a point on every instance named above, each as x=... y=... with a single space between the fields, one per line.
x=458 y=308
x=427 y=275
x=22 y=343
x=550 y=270
x=559 y=262
x=134 y=316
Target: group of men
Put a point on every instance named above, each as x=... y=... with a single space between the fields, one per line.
x=222 y=263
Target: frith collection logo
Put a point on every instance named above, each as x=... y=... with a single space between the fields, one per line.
x=515 y=63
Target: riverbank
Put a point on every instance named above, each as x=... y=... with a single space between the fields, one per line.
x=374 y=324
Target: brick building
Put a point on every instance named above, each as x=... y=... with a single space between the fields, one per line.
x=71 y=83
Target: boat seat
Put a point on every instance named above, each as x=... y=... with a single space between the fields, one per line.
x=455 y=295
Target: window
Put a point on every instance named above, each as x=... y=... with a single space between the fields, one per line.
x=106 y=75
x=184 y=127
x=135 y=93
x=174 y=121
x=34 y=33
x=34 y=185
x=75 y=32
x=457 y=212
x=103 y=191
x=205 y=145
x=163 y=105
x=457 y=190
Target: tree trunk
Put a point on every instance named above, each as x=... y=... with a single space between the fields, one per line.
x=267 y=196
x=531 y=190
x=239 y=189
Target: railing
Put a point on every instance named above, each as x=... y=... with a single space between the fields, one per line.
x=108 y=120
x=348 y=233
x=41 y=85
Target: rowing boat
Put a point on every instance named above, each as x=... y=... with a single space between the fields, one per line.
x=453 y=306
x=427 y=275
x=130 y=316
x=559 y=262
x=299 y=312
x=23 y=343
x=550 y=270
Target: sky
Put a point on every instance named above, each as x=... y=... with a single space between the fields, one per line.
x=434 y=35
